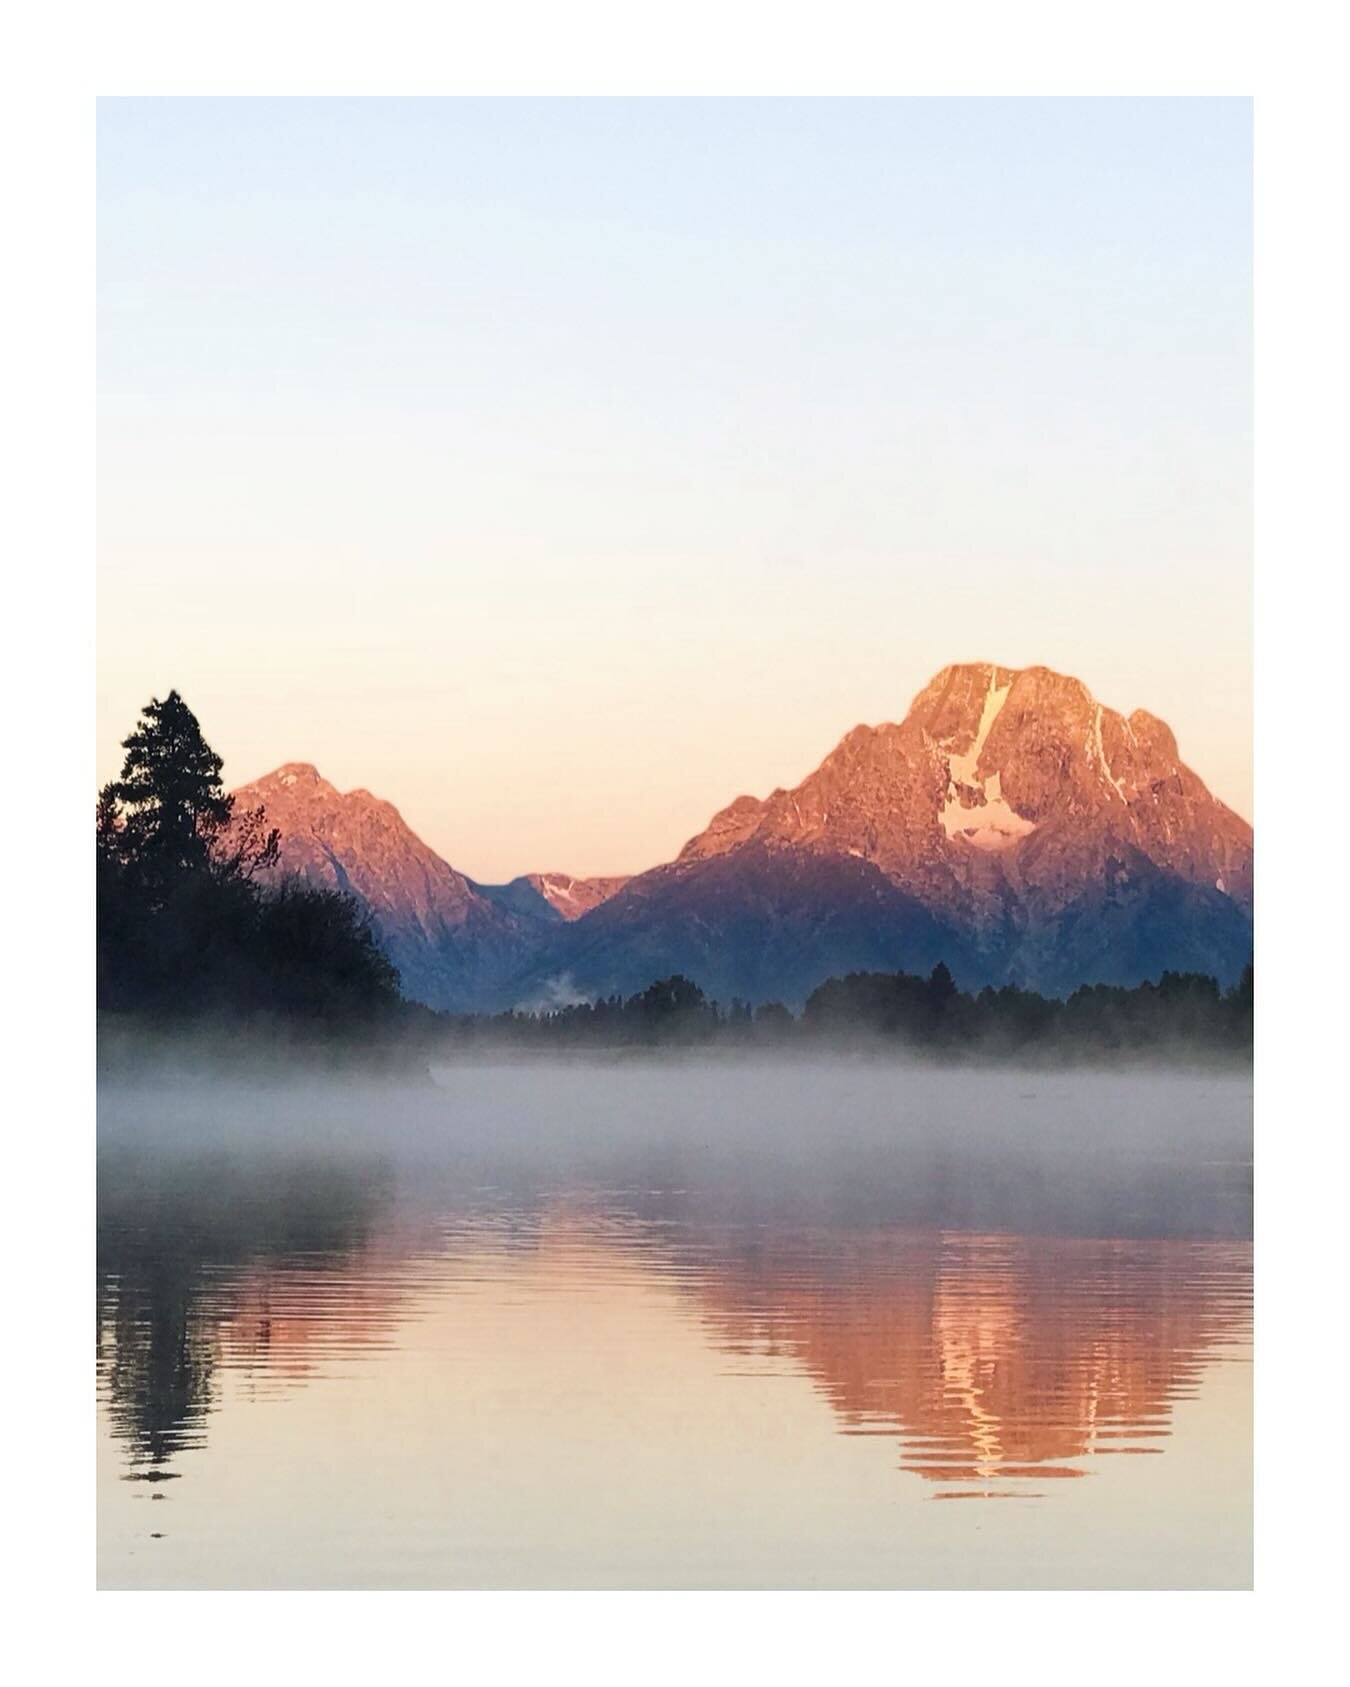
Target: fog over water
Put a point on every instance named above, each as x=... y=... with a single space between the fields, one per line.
x=1096 y=1153
x=685 y=1323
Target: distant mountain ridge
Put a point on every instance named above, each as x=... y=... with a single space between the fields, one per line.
x=553 y=896
x=1009 y=825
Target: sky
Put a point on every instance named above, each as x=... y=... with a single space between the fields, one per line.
x=562 y=469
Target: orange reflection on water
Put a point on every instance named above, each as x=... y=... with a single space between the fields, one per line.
x=990 y=1357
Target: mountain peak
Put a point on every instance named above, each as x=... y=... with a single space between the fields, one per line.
x=301 y=777
x=993 y=761
x=444 y=937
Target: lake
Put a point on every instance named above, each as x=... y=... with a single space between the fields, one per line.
x=687 y=1325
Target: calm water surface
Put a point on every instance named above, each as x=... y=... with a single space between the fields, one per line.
x=632 y=1326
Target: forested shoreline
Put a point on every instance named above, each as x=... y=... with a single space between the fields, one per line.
x=1181 y=1015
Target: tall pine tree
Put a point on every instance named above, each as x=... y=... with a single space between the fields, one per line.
x=169 y=815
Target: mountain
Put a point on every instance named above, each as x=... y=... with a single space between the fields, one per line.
x=454 y=946
x=1029 y=832
x=987 y=760
x=553 y=897
x=1010 y=825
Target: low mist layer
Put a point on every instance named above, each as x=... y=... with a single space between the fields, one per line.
x=1085 y=1153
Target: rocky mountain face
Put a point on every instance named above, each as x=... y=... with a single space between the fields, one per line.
x=1048 y=839
x=454 y=947
x=989 y=777
x=1010 y=825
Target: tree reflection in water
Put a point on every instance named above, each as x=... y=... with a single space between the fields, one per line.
x=184 y=1245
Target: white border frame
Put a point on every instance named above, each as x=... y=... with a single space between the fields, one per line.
x=58 y=60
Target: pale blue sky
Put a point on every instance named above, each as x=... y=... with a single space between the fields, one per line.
x=560 y=469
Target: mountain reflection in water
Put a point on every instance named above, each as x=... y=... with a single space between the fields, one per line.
x=990 y=1356
x=989 y=1361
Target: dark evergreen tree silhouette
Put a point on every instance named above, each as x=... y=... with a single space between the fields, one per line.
x=169 y=815
x=187 y=930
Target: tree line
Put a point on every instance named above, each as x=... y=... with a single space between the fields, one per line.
x=1182 y=1013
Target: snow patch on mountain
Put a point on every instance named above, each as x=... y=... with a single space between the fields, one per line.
x=992 y=822
x=1100 y=751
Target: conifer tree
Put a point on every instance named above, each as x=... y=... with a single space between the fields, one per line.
x=169 y=815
